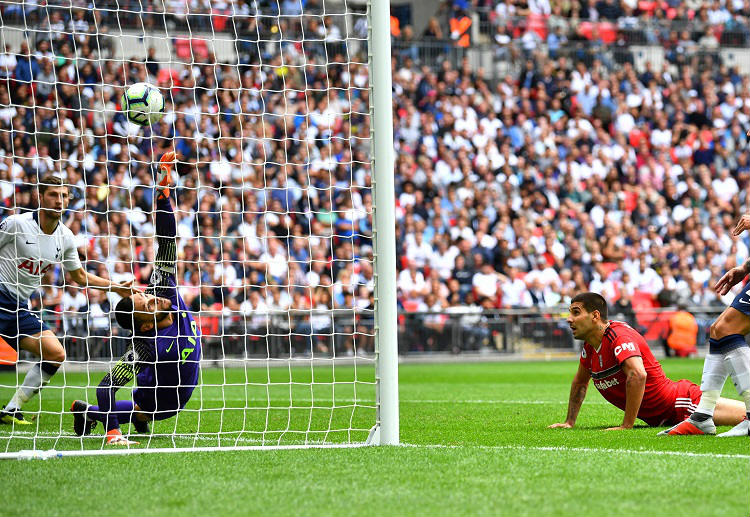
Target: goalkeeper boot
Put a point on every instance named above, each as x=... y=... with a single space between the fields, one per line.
x=13 y=417
x=82 y=424
x=141 y=426
x=741 y=429
x=690 y=426
x=164 y=174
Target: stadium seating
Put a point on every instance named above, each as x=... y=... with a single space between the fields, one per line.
x=569 y=159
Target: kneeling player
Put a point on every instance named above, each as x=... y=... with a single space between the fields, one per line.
x=627 y=375
x=166 y=350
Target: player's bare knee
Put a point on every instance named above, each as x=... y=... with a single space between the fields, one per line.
x=55 y=355
x=53 y=352
x=52 y=349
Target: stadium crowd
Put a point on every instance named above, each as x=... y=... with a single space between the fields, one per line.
x=566 y=176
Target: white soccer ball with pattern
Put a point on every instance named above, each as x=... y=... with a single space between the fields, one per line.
x=143 y=104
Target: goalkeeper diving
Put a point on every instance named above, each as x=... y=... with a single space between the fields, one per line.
x=165 y=354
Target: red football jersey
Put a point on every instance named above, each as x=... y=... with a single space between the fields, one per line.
x=619 y=343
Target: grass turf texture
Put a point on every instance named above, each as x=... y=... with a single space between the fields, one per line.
x=481 y=447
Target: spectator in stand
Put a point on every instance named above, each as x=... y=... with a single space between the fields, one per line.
x=515 y=295
x=27 y=67
x=411 y=282
x=8 y=63
x=433 y=31
x=74 y=305
x=646 y=279
x=417 y=250
x=485 y=282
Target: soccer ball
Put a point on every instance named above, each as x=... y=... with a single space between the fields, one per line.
x=143 y=104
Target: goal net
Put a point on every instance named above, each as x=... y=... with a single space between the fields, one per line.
x=268 y=108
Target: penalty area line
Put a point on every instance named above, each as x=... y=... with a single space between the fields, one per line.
x=714 y=455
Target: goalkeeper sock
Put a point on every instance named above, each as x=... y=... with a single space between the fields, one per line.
x=35 y=379
x=123 y=410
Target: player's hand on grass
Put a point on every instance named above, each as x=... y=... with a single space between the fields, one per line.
x=121 y=440
x=115 y=437
x=618 y=428
x=561 y=425
x=729 y=280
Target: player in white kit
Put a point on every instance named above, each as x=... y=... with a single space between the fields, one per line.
x=30 y=245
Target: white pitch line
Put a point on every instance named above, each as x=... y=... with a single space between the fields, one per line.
x=423 y=401
x=483 y=401
x=226 y=437
x=270 y=446
x=584 y=449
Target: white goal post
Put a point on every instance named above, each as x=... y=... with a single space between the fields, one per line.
x=281 y=115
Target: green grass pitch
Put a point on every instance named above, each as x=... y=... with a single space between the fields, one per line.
x=477 y=445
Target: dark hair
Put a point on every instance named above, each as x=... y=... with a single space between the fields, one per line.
x=592 y=302
x=124 y=313
x=49 y=180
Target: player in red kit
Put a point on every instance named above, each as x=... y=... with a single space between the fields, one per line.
x=627 y=375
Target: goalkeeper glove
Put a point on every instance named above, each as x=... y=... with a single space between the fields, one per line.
x=164 y=174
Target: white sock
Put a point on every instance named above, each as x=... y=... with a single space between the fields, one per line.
x=715 y=373
x=709 y=398
x=32 y=383
x=738 y=365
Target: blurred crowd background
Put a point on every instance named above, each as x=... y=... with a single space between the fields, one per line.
x=558 y=165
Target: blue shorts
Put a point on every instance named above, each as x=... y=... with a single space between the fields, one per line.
x=741 y=302
x=17 y=323
x=177 y=386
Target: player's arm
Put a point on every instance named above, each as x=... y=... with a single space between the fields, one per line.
x=86 y=279
x=732 y=278
x=124 y=371
x=578 y=389
x=72 y=265
x=635 y=386
x=7 y=231
x=166 y=226
x=737 y=273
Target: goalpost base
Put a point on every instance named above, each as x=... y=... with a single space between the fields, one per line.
x=374 y=437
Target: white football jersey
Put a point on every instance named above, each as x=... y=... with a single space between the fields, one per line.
x=27 y=253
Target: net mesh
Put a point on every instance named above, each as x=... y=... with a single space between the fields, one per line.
x=267 y=108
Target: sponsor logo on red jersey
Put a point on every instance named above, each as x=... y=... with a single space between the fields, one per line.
x=604 y=384
x=624 y=347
